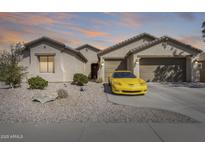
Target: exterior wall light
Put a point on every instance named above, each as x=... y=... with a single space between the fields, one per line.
x=102 y=64
x=137 y=61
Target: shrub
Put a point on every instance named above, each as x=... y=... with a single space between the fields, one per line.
x=37 y=83
x=62 y=93
x=11 y=73
x=80 y=79
x=99 y=80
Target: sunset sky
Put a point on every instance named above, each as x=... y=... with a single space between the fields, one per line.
x=99 y=29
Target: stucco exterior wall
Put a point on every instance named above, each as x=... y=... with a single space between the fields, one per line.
x=65 y=65
x=91 y=56
x=167 y=49
x=71 y=65
x=130 y=62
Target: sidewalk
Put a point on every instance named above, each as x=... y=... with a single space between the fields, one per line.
x=116 y=132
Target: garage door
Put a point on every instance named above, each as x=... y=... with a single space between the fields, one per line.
x=112 y=65
x=202 y=72
x=163 y=69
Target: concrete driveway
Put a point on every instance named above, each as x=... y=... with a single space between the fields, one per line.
x=186 y=98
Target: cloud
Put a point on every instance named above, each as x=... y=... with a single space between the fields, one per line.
x=9 y=37
x=36 y=18
x=91 y=33
x=130 y=20
x=125 y=19
x=186 y=16
x=195 y=41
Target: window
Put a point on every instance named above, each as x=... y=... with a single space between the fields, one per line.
x=46 y=64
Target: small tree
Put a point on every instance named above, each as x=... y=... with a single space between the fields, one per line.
x=203 y=30
x=10 y=71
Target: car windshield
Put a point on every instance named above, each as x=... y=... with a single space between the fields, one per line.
x=123 y=75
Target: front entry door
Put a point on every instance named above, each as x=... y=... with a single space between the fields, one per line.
x=94 y=71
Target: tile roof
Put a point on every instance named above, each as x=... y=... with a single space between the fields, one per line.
x=163 y=39
x=59 y=45
x=125 y=42
x=87 y=46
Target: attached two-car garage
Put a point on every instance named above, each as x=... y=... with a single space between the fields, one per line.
x=163 y=59
x=152 y=69
x=163 y=69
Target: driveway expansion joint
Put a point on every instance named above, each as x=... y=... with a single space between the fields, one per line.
x=155 y=132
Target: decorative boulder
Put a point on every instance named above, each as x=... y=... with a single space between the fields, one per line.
x=44 y=97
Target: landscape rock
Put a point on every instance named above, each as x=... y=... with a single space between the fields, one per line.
x=44 y=97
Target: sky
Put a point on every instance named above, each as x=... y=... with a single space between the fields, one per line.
x=99 y=29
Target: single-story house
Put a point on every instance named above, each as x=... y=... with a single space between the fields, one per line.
x=149 y=57
x=154 y=59
x=52 y=60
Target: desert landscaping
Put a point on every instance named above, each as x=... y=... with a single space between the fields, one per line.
x=90 y=105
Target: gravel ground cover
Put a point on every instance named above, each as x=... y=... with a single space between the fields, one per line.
x=90 y=105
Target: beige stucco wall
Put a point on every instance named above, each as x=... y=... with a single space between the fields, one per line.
x=168 y=49
x=171 y=50
x=65 y=64
x=91 y=56
x=202 y=56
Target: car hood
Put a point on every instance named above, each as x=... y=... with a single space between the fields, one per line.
x=128 y=80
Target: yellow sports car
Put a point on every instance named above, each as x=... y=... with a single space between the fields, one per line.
x=124 y=82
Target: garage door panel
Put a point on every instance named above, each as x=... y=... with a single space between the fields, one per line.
x=112 y=65
x=202 y=72
x=163 y=69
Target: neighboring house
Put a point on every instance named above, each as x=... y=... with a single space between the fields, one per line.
x=202 y=66
x=153 y=59
x=91 y=67
x=52 y=60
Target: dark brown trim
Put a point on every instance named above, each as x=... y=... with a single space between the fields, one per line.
x=45 y=54
x=114 y=58
x=44 y=39
x=161 y=56
x=80 y=55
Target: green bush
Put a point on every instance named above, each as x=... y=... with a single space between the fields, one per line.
x=37 y=83
x=80 y=79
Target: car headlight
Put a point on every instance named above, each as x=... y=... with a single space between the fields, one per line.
x=143 y=83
